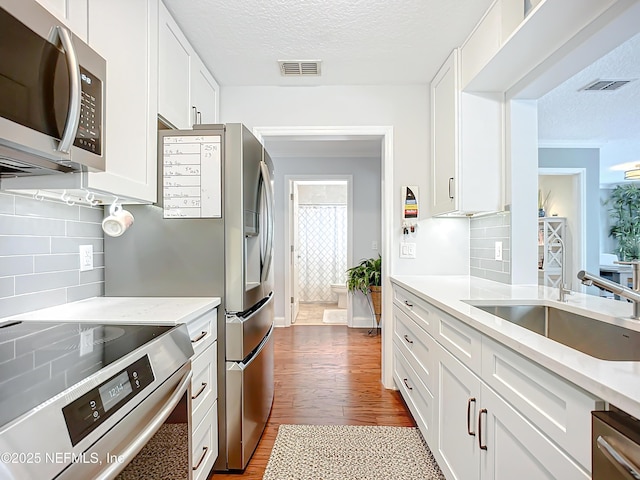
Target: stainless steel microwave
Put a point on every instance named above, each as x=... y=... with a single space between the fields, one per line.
x=52 y=95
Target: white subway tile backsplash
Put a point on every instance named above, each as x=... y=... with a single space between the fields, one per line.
x=39 y=257
x=7 y=351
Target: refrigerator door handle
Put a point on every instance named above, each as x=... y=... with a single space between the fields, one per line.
x=266 y=181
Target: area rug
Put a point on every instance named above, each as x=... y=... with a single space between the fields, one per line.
x=348 y=452
x=335 y=316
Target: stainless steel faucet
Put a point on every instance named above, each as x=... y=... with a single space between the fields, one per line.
x=562 y=289
x=632 y=294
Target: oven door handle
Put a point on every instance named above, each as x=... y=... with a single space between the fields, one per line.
x=622 y=463
x=131 y=450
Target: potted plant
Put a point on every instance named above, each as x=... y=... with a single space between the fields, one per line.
x=625 y=211
x=366 y=277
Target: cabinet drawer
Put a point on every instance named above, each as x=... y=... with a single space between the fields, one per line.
x=462 y=341
x=415 y=307
x=415 y=394
x=204 y=387
x=205 y=444
x=557 y=407
x=416 y=345
x=203 y=331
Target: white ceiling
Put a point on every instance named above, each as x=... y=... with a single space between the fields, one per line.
x=396 y=42
x=359 y=41
x=609 y=120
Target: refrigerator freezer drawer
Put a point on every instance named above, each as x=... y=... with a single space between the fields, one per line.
x=249 y=399
x=244 y=334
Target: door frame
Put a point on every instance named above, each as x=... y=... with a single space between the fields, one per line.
x=387 y=225
x=288 y=227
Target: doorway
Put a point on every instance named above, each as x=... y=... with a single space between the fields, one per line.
x=320 y=242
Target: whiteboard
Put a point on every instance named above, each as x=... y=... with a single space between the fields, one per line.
x=191 y=176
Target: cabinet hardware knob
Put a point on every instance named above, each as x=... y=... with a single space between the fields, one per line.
x=450 y=185
x=482 y=447
x=407 y=339
x=204 y=385
x=200 y=337
x=469 y=402
x=406 y=383
x=204 y=454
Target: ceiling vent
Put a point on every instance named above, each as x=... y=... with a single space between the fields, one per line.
x=605 y=85
x=299 y=68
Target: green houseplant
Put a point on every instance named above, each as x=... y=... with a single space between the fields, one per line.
x=366 y=277
x=625 y=212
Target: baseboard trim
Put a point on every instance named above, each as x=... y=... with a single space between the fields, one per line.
x=279 y=322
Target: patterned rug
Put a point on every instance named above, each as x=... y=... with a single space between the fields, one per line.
x=347 y=452
x=336 y=316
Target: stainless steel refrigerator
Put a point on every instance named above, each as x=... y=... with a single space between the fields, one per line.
x=212 y=235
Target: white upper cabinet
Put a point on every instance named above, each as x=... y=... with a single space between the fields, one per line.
x=466 y=146
x=125 y=34
x=72 y=13
x=187 y=92
x=204 y=93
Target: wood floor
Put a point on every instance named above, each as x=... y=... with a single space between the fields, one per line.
x=325 y=375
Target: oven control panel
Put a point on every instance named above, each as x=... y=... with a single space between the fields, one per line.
x=83 y=415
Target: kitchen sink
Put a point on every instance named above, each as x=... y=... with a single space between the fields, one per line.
x=593 y=337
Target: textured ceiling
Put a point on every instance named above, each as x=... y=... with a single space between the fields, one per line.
x=609 y=120
x=358 y=41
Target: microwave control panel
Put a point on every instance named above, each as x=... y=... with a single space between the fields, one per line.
x=89 y=129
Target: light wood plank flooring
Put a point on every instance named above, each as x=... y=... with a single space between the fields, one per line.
x=325 y=375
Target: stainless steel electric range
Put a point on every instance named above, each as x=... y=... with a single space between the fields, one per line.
x=82 y=400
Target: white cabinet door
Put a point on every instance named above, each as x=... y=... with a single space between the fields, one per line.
x=174 y=73
x=444 y=136
x=458 y=404
x=516 y=449
x=204 y=93
x=116 y=27
x=72 y=12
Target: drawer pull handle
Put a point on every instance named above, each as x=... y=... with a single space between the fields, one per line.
x=469 y=402
x=200 y=337
x=482 y=447
x=204 y=454
x=204 y=385
x=406 y=383
x=408 y=340
x=450 y=185
x=617 y=458
x=408 y=304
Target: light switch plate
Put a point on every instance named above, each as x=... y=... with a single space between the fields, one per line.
x=407 y=250
x=86 y=257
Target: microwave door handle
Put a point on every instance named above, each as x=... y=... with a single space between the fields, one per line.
x=622 y=463
x=266 y=181
x=73 y=114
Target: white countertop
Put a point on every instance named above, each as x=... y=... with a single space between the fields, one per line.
x=140 y=310
x=614 y=381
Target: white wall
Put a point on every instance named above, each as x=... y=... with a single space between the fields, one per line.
x=442 y=244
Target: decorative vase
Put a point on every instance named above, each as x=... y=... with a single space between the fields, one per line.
x=541 y=212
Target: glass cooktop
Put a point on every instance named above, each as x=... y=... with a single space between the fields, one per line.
x=40 y=360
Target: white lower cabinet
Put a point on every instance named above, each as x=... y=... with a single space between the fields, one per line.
x=493 y=414
x=204 y=394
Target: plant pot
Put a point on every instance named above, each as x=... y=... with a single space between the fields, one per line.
x=376 y=302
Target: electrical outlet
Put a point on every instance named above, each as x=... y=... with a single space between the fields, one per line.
x=374 y=245
x=86 y=257
x=498 y=251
